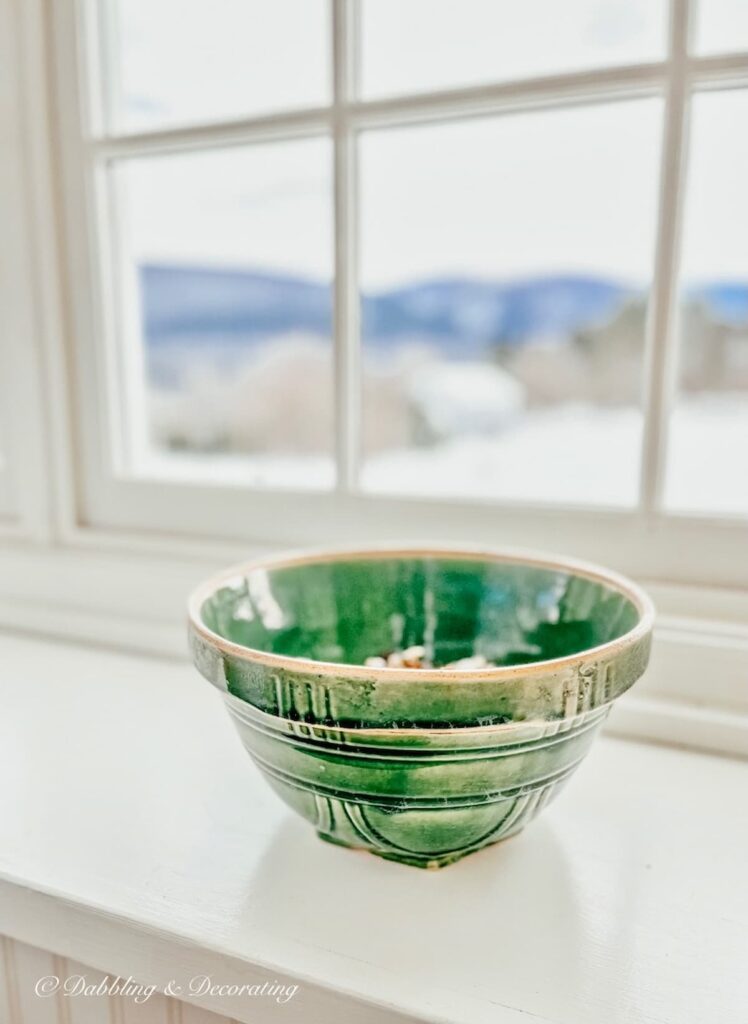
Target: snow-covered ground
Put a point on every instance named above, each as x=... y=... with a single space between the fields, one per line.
x=708 y=458
x=570 y=455
x=585 y=455
x=573 y=455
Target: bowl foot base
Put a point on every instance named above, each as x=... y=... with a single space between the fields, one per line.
x=430 y=862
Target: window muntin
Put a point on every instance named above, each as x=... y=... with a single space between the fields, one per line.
x=707 y=466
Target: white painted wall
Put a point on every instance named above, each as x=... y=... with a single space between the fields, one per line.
x=22 y=966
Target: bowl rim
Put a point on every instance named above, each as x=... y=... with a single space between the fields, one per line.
x=458 y=552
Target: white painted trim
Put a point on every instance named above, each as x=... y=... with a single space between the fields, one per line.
x=540 y=93
x=116 y=945
x=24 y=494
x=660 y=351
x=313 y=121
x=654 y=547
x=346 y=305
x=57 y=497
x=723 y=70
x=23 y=965
x=675 y=723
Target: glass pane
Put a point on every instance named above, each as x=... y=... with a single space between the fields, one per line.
x=412 y=45
x=708 y=457
x=505 y=265
x=183 y=61
x=227 y=313
x=721 y=25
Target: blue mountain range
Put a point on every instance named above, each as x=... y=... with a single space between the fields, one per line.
x=190 y=306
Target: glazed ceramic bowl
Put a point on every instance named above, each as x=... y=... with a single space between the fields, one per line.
x=419 y=765
x=425 y=797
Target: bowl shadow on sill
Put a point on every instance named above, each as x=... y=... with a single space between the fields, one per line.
x=331 y=898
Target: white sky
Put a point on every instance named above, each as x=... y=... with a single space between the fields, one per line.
x=564 y=191
x=721 y=25
x=570 y=190
x=415 y=44
x=264 y=206
x=716 y=221
x=193 y=60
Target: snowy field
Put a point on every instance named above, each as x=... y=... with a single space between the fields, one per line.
x=574 y=455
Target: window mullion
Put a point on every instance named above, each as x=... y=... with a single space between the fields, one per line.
x=661 y=338
x=346 y=301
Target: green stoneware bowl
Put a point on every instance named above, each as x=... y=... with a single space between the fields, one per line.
x=419 y=765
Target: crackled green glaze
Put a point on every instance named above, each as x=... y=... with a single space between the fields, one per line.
x=343 y=611
x=423 y=797
x=419 y=766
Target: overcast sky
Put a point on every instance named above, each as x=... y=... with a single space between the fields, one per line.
x=568 y=191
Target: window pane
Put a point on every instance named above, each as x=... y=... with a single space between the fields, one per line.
x=229 y=357
x=181 y=61
x=505 y=268
x=708 y=458
x=721 y=25
x=411 y=45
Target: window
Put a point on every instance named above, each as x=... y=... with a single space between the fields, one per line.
x=229 y=256
x=518 y=366
x=228 y=59
x=708 y=465
x=370 y=268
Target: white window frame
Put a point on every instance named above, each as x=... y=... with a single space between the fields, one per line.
x=90 y=557
x=646 y=541
x=24 y=495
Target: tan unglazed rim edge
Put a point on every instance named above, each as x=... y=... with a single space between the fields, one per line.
x=635 y=594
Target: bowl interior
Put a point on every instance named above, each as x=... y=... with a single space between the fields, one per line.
x=345 y=609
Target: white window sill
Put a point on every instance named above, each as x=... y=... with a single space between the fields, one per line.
x=136 y=837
